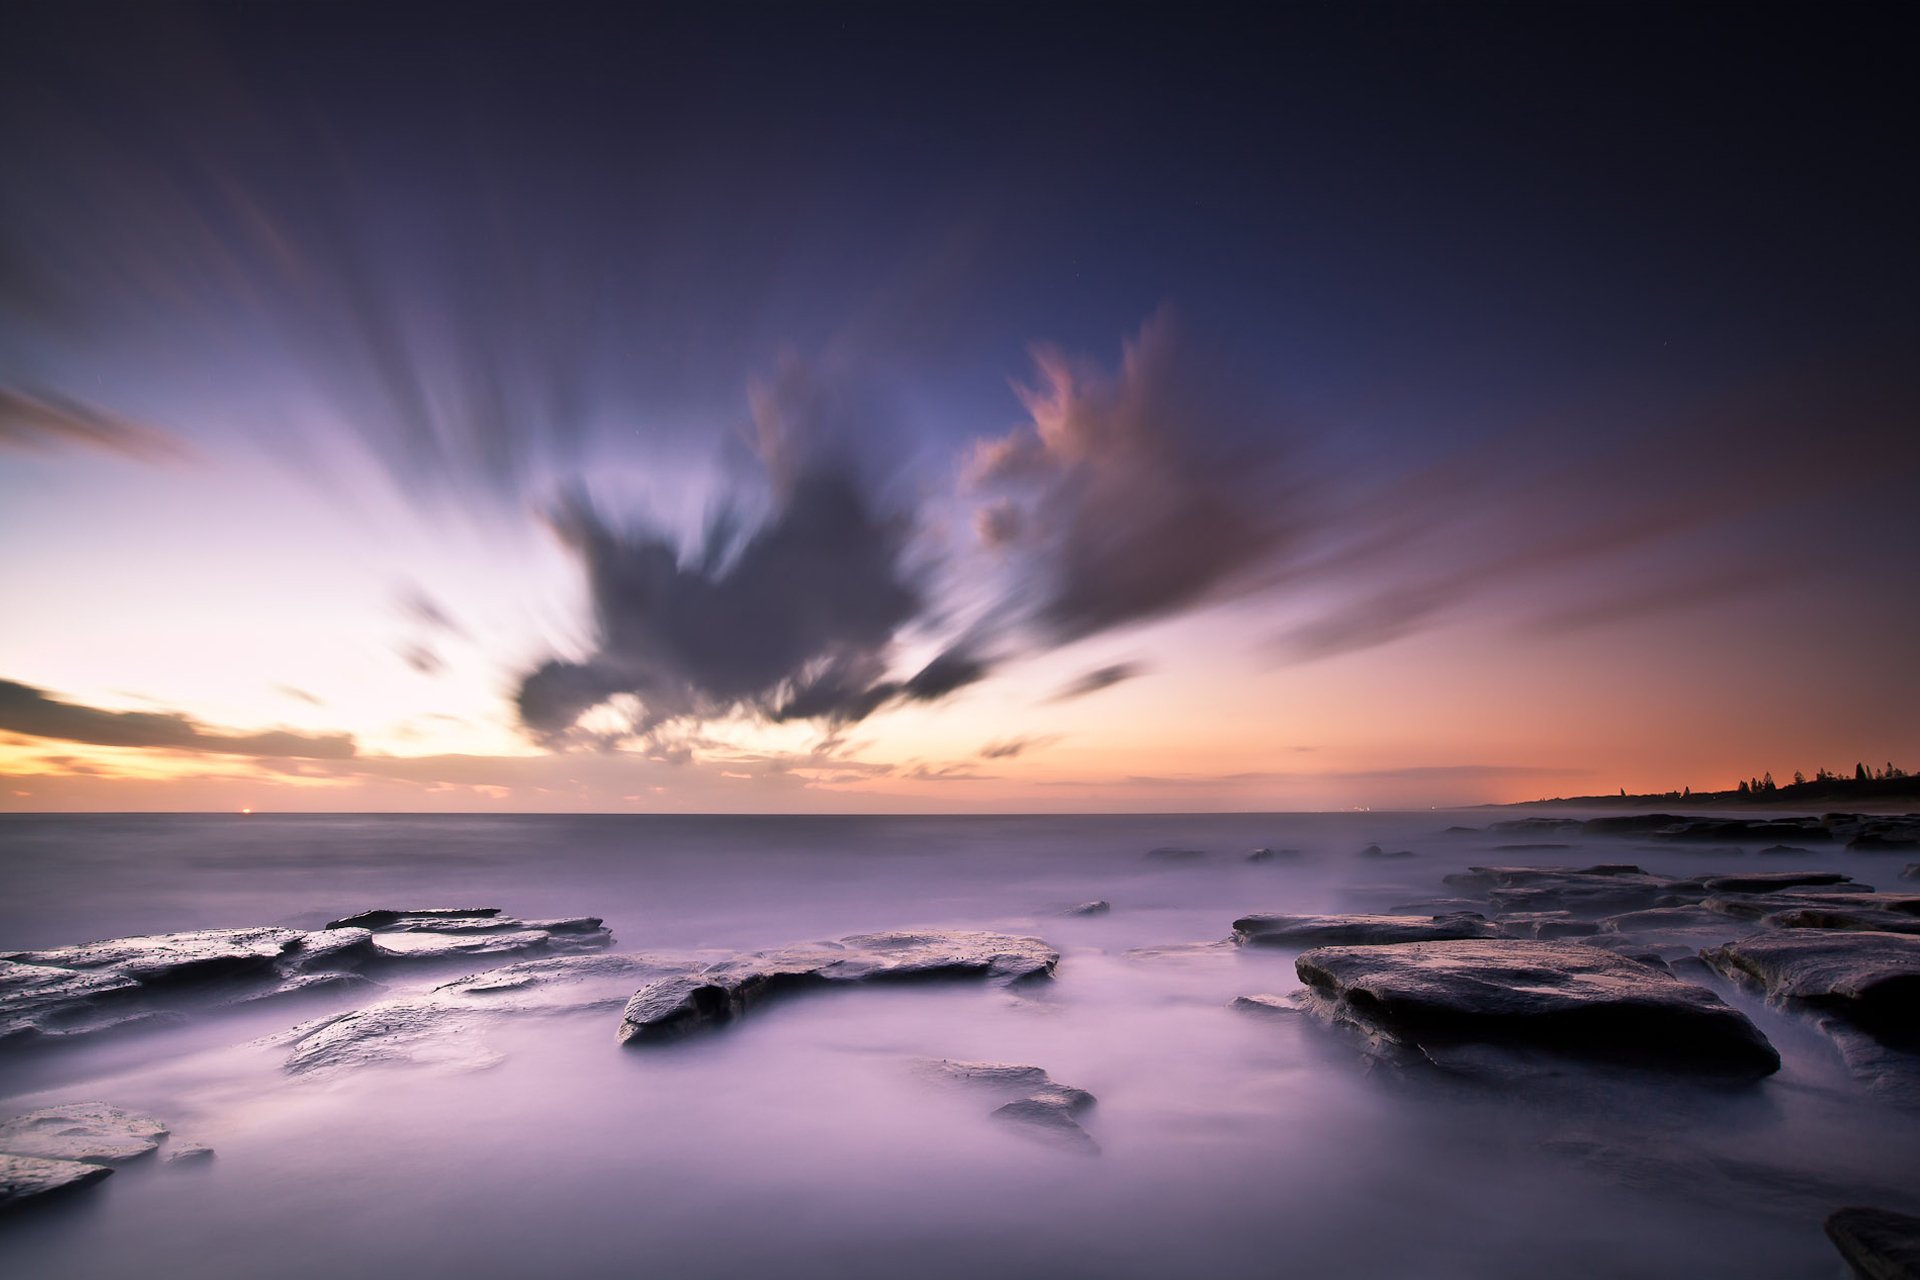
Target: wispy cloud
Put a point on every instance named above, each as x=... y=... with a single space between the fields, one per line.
x=44 y=421
x=30 y=711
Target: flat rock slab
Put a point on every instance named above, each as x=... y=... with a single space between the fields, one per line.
x=385 y=917
x=1356 y=930
x=1099 y=907
x=1872 y=979
x=1036 y=1102
x=1877 y=1243
x=726 y=990
x=446 y=1027
x=24 y=1180
x=1565 y=997
x=1769 y=881
x=173 y=957
x=1603 y=889
x=92 y=1132
x=63 y=992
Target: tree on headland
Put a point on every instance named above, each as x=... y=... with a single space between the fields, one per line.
x=1860 y=773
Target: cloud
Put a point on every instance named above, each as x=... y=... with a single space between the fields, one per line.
x=1096 y=680
x=799 y=623
x=27 y=710
x=299 y=694
x=43 y=420
x=1133 y=496
x=1008 y=748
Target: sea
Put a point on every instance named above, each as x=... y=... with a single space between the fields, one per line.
x=804 y=1140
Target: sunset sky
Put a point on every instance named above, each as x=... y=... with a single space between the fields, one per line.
x=951 y=407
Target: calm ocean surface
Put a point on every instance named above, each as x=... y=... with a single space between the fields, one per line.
x=800 y=1141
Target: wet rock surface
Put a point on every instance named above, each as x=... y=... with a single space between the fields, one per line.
x=1268 y=930
x=57 y=993
x=90 y=1132
x=1038 y=1104
x=1099 y=907
x=446 y=1026
x=27 y=1180
x=724 y=991
x=1872 y=979
x=1564 y=997
x=1877 y=1243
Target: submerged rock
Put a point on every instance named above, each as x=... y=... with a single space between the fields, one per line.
x=91 y=1132
x=1043 y=1107
x=1266 y=1005
x=1098 y=907
x=446 y=1027
x=1356 y=930
x=1170 y=853
x=1564 y=997
x=190 y=1153
x=1877 y=1243
x=724 y=991
x=1872 y=979
x=25 y=1180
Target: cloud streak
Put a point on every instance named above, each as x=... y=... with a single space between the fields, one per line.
x=30 y=711
x=43 y=421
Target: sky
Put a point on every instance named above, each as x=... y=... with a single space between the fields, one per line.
x=968 y=407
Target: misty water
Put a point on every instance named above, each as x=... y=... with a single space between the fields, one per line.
x=801 y=1141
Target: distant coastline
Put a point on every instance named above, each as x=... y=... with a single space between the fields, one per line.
x=1894 y=787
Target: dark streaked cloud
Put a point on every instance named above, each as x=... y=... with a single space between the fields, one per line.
x=44 y=420
x=1007 y=748
x=798 y=623
x=1134 y=496
x=27 y=710
x=1097 y=679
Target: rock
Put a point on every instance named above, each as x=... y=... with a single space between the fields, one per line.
x=1545 y=925
x=442 y=946
x=190 y=1153
x=1375 y=851
x=1604 y=889
x=39 y=999
x=64 y=992
x=25 y=1180
x=446 y=1027
x=1529 y=848
x=1769 y=881
x=1266 y=1005
x=1168 y=853
x=1871 y=979
x=383 y=917
x=91 y=1132
x=1044 y=1106
x=1873 y=842
x=1911 y=871
x=726 y=990
x=1355 y=930
x=1877 y=1243
x=165 y=958
x=1270 y=855
x=1053 y=1116
x=421 y=1031
x=1098 y=907
x=1859 y=921
x=1564 y=997
x=1785 y=850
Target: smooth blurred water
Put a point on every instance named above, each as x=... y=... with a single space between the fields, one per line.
x=800 y=1142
